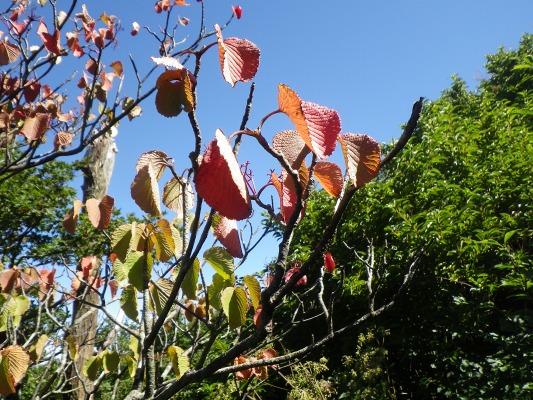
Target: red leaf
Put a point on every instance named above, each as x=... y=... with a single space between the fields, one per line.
x=239 y=58
x=88 y=264
x=51 y=42
x=318 y=126
x=226 y=233
x=219 y=180
x=330 y=177
x=100 y=211
x=113 y=285
x=329 y=263
x=8 y=53
x=292 y=146
x=71 y=219
x=35 y=126
x=237 y=11
x=8 y=278
x=287 y=192
x=257 y=315
x=31 y=90
x=362 y=155
x=73 y=44
x=301 y=282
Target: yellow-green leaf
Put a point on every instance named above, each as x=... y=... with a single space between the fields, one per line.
x=73 y=346
x=180 y=362
x=159 y=294
x=91 y=367
x=214 y=291
x=173 y=196
x=110 y=361
x=234 y=304
x=145 y=190
x=36 y=350
x=132 y=365
x=220 y=260
x=134 y=346
x=128 y=302
x=190 y=282
x=254 y=289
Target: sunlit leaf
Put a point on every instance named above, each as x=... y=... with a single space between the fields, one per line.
x=158 y=159
x=234 y=304
x=133 y=345
x=180 y=362
x=145 y=191
x=173 y=195
x=71 y=219
x=286 y=189
x=132 y=365
x=131 y=271
x=190 y=282
x=8 y=305
x=225 y=230
x=292 y=146
x=8 y=279
x=36 y=350
x=128 y=302
x=14 y=362
x=51 y=42
x=136 y=111
x=35 y=126
x=160 y=292
x=362 y=155
x=174 y=93
x=215 y=290
x=220 y=260
x=330 y=177
x=117 y=67
x=254 y=289
x=110 y=361
x=62 y=139
x=219 y=180
x=100 y=211
x=239 y=58
x=8 y=53
x=73 y=346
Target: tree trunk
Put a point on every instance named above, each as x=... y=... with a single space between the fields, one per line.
x=99 y=162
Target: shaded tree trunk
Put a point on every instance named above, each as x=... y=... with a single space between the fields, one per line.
x=99 y=162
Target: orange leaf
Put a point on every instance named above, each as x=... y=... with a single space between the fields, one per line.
x=145 y=191
x=239 y=58
x=118 y=68
x=62 y=139
x=219 y=180
x=292 y=146
x=362 y=155
x=8 y=53
x=318 y=126
x=8 y=279
x=35 y=126
x=330 y=177
x=100 y=211
x=113 y=285
x=71 y=219
x=173 y=97
x=244 y=374
x=226 y=233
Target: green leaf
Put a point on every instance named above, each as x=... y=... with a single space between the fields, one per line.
x=134 y=346
x=180 y=363
x=214 y=291
x=234 y=304
x=110 y=361
x=8 y=306
x=508 y=236
x=254 y=288
x=160 y=293
x=190 y=282
x=132 y=365
x=128 y=302
x=91 y=367
x=23 y=303
x=120 y=241
x=220 y=260
x=131 y=271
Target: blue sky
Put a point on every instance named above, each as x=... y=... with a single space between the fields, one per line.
x=369 y=60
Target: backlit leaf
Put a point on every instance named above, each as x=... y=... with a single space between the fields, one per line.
x=91 y=367
x=219 y=180
x=100 y=211
x=131 y=271
x=329 y=175
x=13 y=366
x=292 y=146
x=239 y=58
x=73 y=346
x=190 y=282
x=145 y=191
x=158 y=159
x=173 y=195
x=160 y=292
x=225 y=230
x=36 y=350
x=128 y=302
x=180 y=362
x=220 y=260
x=234 y=304
x=51 y=42
x=117 y=67
x=8 y=53
x=362 y=155
x=62 y=139
x=254 y=289
x=110 y=361
x=35 y=126
x=174 y=93
x=71 y=219
x=214 y=290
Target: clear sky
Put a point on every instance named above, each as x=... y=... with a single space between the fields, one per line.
x=369 y=60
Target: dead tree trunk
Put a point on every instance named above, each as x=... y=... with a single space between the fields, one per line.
x=99 y=162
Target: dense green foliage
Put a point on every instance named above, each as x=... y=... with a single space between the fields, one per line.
x=460 y=194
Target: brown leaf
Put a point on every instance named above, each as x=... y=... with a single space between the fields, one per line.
x=71 y=219
x=62 y=138
x=35 y=126
x=159 y=160
x=8 y=53
x=173 y=195
x=362 y=155
x=100 y=211
x=219 y=180
x=292 y=146
x=145 y=191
